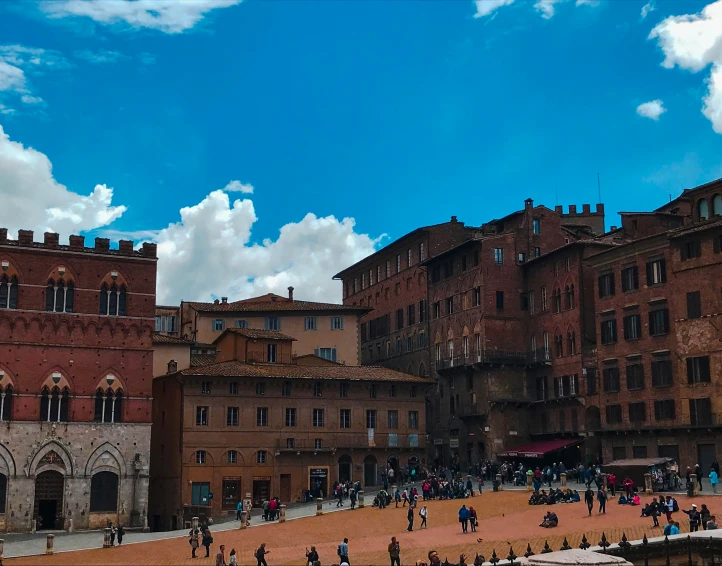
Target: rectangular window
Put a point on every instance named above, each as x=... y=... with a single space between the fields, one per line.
x=619 y=452
x=630 y=278
x=476 y=258
x=326 y=353
x=614 y=414
x=422 y=252
x=309 y=323
x=344 y=419
x=219 y=325
x=635 y=376
x=694 y=304
x=398 y=263
x=658 y=322
x=206 y=387
x=566 y=264
x=500 y=300
x=202 y=416
x=698 y=370
x=532 y=309
x=336 y=323
x=450 y=305
x=241 y=324
x=536 y=223
x=393 y=419
x=611 y=379
x=261 y=416
x=370 y=418
x=388 y=269
x=271 y=351
x=664 y=410
x=436 y=308
x=318 y=415
x=399 y=319
x=422 y=311
x=544 y=298
x=661 y=373
x=260 y=388
x=632 y=327
x=537 y=251
x=343 y=389
x=463 y=263
x=291 y=443
x=606 y=285
x=499 y=256
x=591 y=381
x=317 y=389
x=413 y=420
x=200 y=492
x=656 y=272
x=477 y=297
x=290 y=416
x=409 y=258
x=378 y=273
x=609 y=331
x=639 y=451
x=411 y=315
x=690 y=250
x=232 y=416
x=421 y=340
x=392 y=390
x=286 y=389
x=521 y=257
x=272 y=323
x=373 y=391
x=399 y=345
x=524 y=301
x=700 y=411
x=233 y=388
x=355 y=284
x=541 y=389
x=371 y=277
x=261 y=457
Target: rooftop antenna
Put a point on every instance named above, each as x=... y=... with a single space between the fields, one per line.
x=599 y=188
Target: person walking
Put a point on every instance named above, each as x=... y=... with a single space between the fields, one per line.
x=343 y=551
x=261 y=554
x=194 y=542
x=410 y=517
x=472 y=519
x=655 y=512
x=221 y=556
x=698 y=473
x=239 y=508
x=394 y=552
x=121 y=533
x=589 y=499
x=602 y=497
x=423 y=513
x=207 y=541
x=233 y=561
x=311 y=556
x=713 y=480
x=464 y=518
x=352 y=497
x=112 y=535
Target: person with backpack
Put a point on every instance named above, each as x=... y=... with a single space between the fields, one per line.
x=260 y=554
x=311 y=556
x=207 y=541
x=343 y=551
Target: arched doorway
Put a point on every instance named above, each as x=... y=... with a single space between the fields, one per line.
x=48 y=508
x=370 y=471
x=393 y=464
x=344 y=468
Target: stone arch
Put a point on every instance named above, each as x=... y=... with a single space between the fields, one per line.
x=450 y=334
x=96 y=461
x=465 y=332
x=437 y=338
x=703 y=209
x=7 y=462
x=67 y=468
x=57 y=378
x=717 y=205
x=240 y=460
x=6 y=379
x=110 y=381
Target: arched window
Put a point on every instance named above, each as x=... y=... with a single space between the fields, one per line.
x=570 y=296
x=59 y=296
x=559 y=342
x=54 y=405
x=104 y=493
x=6 y=407
x=112 y=300
x=200 y=456
x=717 y=205
x=557 y=295
x=571 y=343
x=703 y=209
x=8 y=292
x=108 y=406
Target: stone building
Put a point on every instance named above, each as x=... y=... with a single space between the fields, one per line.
x=263 y=422
x=75 y=382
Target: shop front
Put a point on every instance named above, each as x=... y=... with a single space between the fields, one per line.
x=231 y=493
x=261 y=489
x=318 y=481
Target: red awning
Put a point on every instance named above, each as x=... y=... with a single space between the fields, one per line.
x=538 y=449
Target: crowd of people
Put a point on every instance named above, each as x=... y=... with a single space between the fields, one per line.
x=554 y=496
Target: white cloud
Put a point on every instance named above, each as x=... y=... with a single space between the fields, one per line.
x=34 y=200
x=17 y=63
x=694 y=42
x=29 y=99
x=648 y=8
x=486 y=7
x=591 y=3
x=238 y=187
x=652 y=109
x=11 y=77
x=546 y=7
x=101 y=56
x=147 y=58
x=168 y=16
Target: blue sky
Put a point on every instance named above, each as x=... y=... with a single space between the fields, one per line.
x=396 y=114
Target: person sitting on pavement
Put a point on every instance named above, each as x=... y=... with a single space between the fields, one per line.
x=550 y=520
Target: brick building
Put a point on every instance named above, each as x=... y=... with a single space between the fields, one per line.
x=75 y=381
x=327 y=330
x=658 y=306
x=265 y=422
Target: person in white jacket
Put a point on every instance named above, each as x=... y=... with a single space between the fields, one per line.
x=423 y=513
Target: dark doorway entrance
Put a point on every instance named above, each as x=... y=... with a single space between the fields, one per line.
x=706 y=454
x=344 y=469
x=48 y=508
x=370 y=468
x=318 y=482
x=285 y=488
x=261 y=491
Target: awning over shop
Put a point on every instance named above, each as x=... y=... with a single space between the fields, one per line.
x=538 y=449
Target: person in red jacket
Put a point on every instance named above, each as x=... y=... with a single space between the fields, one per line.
x=628 y=486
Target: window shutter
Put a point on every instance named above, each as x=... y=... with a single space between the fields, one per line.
x=650 y=316
x=663 y=264
x=690 y=371
x=649 y=274
x=599 y=283
x=666 y=320
x=635 y=271
x=333 y=354
x=716 y=241
x=692 y=411
x=316 y=352
x=611 y=282
x=683 y=252
x=614 y=330
x=704 y=369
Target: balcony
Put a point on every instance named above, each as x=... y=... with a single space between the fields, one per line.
x=306 y=442
x=496 y=357
x=471 y=410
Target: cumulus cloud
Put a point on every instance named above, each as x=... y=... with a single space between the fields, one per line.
x=592 y=3
x=17 y=63
x=238 y=187
x=648 y=8
x=167 y=16
x=486 y=7
x=652 y=109
x=546 y=8
x=33 y=199
x=101 y=56
x=694 y=42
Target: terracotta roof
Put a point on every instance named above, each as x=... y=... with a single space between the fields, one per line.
x=256 y=334
x=274 y=303
x=696 y=227
x=202 y=359
x=291 y=371
x=165 y=339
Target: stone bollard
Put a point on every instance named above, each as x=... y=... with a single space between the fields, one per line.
x=49 y=544
x=500 y=486
x=244 y=519
x=529 y=482
x=648 y=484
x=70 y=525
x=360 y=496
x=695 y=485
x=605 y=483
x=282 y=515
x=319 y=506
x=194 y=523
x=563 y=480
x=106 y=537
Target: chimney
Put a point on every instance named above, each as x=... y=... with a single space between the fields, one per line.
x=52 y=240
x=172 y=366
x=149 y=250
x=290 y=293
x=25 y=237
x=102 y=244
x=613 y=228
x=3 y=235
x=224 y=300
x=529 y=204
x=216 y=302
x=77 y=242
x=126 y=247
x=453 y=219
